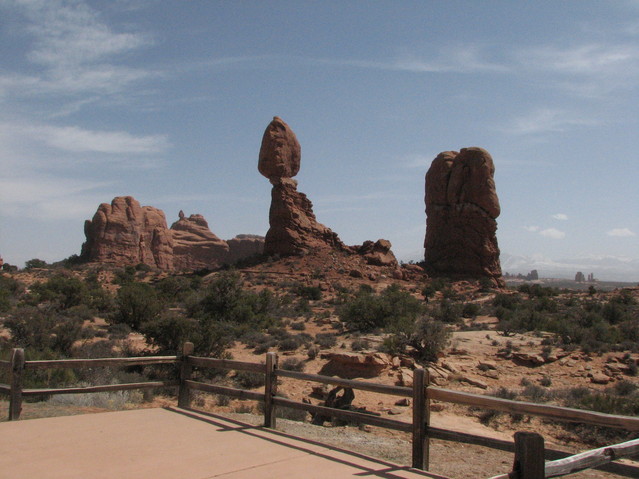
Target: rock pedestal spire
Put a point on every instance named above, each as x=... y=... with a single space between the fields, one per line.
x=293 y=226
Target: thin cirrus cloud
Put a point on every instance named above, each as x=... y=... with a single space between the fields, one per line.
x=560 y=216
x=621 y=233
x=547 y=120
x=552 y=233
x=74 y=50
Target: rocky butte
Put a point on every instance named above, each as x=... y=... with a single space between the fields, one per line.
x=461 y=212
x=126 y=233
x=294 y=230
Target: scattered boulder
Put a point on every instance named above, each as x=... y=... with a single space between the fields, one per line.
x=378 y=253
x=461 y=208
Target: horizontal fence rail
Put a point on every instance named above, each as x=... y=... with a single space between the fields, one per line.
x=99 y=389
x=100 y=362
x=347 y=383
x=224 y=390
x=590 y=459
x=226 y=364
x=541 y=410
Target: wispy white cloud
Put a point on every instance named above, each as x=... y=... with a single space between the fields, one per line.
x=74 y=50
x=552 y=233
x=532 y=229
x=49 y=197
x=560 y=216
x=547 y=120
x=451 y=59
x=621 y=233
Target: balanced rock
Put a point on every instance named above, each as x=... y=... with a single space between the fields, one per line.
x=461 y=208
x=280 y=153
x=294 y=230
x=126 y=233
x=195 y=246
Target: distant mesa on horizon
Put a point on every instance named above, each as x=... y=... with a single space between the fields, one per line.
x=126 y=233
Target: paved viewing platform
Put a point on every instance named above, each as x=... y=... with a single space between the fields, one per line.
x=173 y=443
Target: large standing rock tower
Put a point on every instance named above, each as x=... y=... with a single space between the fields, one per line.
x=461 y=209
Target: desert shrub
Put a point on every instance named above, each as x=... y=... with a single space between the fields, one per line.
x=291 y=343
x=43 y=330
x=292 y=364
x=325 y=340
x=614 y=312
x=35 y=263
x=136 y=303
x=368 y=311
x=359 y=344
x=175 y=289
x=447 y=312
x=311 y=293
x=299 y=326
x=427 y=336
x=507 y=301
x=470 y=310
x=169 y=331
x=226 y=300
x=249 y=379
x=546 y=381
x=62 y=291
x=312 y=352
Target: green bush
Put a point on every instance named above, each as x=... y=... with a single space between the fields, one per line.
x=136 y=303
x=368 y=311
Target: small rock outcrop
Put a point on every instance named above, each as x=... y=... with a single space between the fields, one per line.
x=195 y=246
x=461 y=209
x=126 y=233
x=293 y=228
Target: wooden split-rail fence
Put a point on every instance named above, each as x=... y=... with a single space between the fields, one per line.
x=530 y=454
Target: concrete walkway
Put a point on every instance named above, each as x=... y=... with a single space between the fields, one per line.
x=172 y=443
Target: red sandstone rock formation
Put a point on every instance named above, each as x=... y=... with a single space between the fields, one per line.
x=293 y=227
x=195 y=246
x=126 y=233
x=244 y=246
x=461 y=208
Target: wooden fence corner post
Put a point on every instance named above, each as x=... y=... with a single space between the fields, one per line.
x=421 y=419
x=184 y=394
x=270 y=389
x=529 y=456
x=15 y=395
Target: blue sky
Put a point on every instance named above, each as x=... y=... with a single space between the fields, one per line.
x=167 y=102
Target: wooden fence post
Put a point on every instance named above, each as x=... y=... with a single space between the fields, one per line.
x=184 y=394
x=270 y=389
x=529 y=456
x=15 y=397
x=421 y=419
